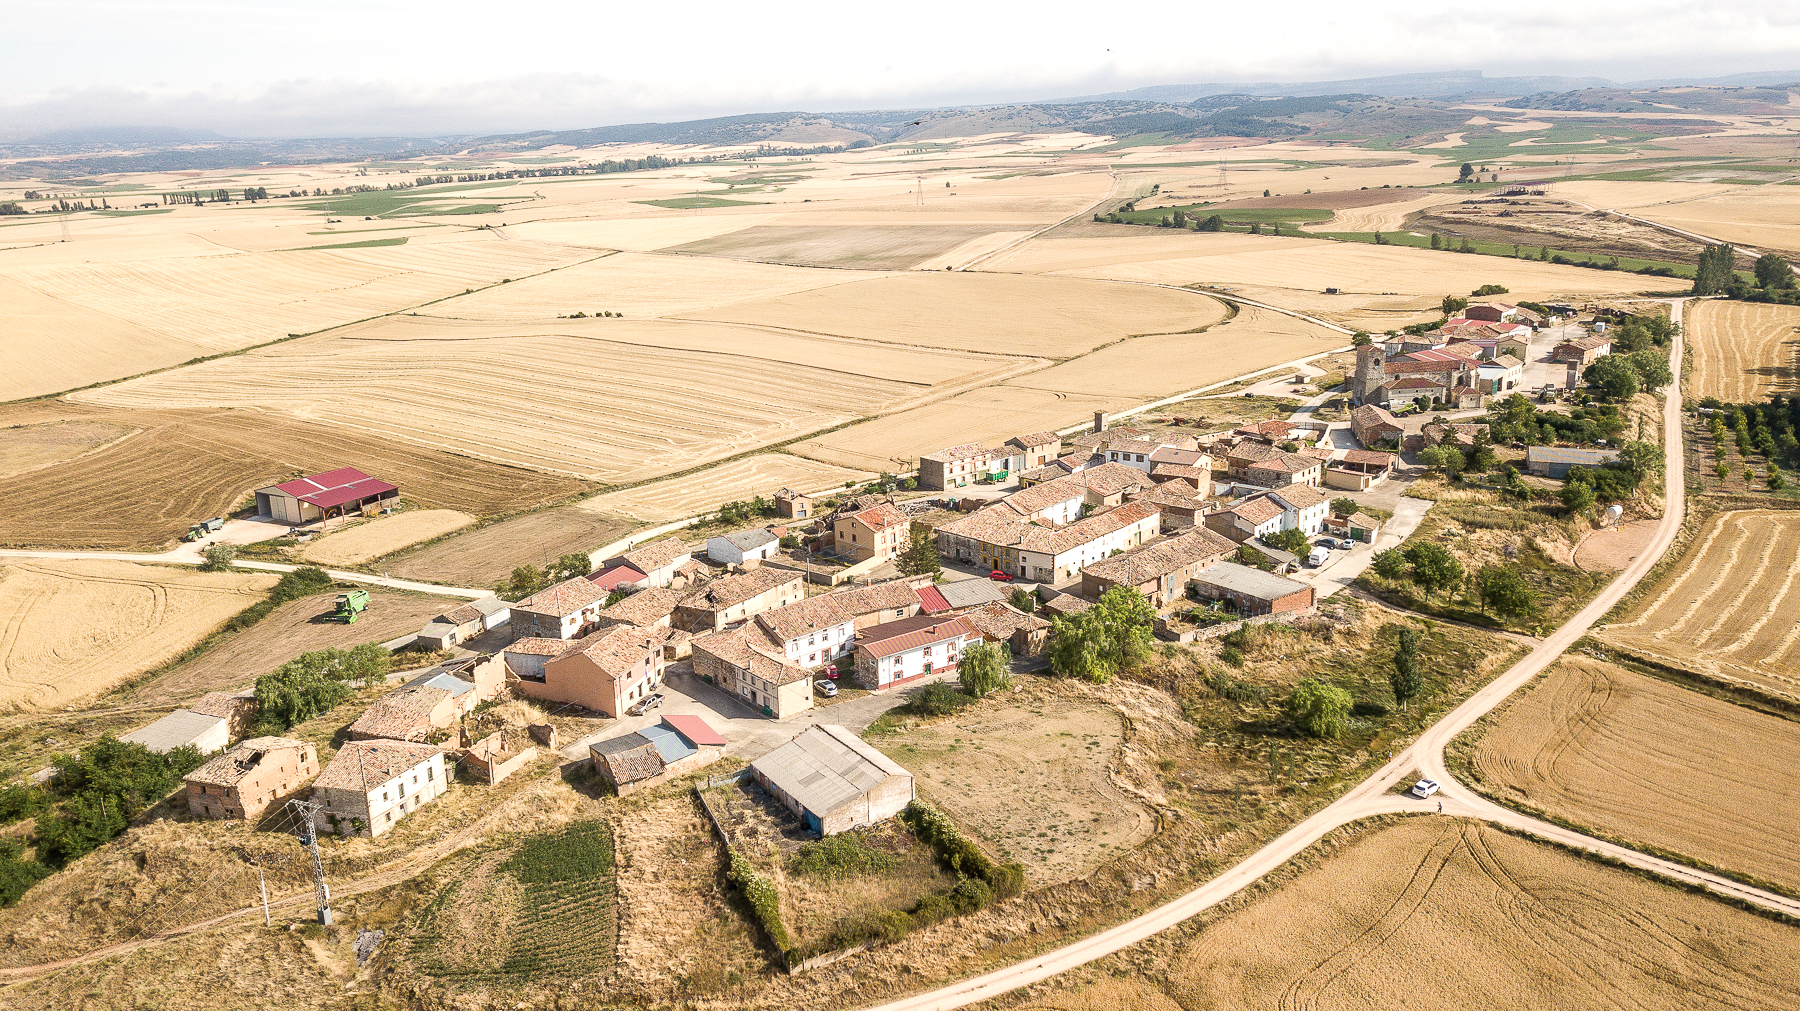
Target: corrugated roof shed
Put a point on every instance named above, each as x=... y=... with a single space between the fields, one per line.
x=970 y=592
x=669 y=744
x=933 y=601
x=176 y=730
x=1251 y=582
x=749 y=540
x=826 y=767
x=695 y=729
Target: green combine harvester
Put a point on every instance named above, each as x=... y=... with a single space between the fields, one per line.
x=351 y=604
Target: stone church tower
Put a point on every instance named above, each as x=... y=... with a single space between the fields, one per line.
x=1371 y=375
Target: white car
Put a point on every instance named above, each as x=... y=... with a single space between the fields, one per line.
x=1424 y=788
x=826 y=688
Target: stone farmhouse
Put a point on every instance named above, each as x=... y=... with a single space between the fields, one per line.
x=371 y=785
x=249 y=778
x=1158 y=571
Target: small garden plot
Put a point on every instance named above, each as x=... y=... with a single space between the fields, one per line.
x=542 y=910
x=830 y=888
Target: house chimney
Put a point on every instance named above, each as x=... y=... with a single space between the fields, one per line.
x=1100 y=421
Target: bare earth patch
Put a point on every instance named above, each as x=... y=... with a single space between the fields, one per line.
x=1612 y=549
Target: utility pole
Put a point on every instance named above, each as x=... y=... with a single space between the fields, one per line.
x=264 y=886
x=308 y=810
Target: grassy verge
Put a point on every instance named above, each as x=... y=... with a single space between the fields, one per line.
x=1629 y=264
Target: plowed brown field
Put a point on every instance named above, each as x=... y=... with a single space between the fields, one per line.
x=72 y=628
x=1436 y=914
x=184 y=466
x=1732 y=607
x=1596 y=744
x=1743 y=351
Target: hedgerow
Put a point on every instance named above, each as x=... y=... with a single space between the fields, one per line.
x=759 y=891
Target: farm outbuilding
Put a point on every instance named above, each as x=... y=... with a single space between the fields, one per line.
x=180 y=729
x=1253 y=591
x=832 y=780
x=1555 y=461
x=319 y=496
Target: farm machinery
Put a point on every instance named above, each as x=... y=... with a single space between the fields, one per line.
x=349 y=605
x=204 y=527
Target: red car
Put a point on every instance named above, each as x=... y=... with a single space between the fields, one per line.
x=1000 y=577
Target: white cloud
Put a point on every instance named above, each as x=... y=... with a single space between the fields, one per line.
x=336 y=67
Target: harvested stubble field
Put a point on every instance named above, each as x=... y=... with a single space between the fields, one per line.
x=385 y=535
x=1729 y=609
x=155 y=312
x=1146 y=368
x=697 y=391
x=72 y=628
x=1306 y=266
x=1031 y=780
x=1743 y=352
x=28 y=447
x=997 y=313
x=1591 y=743
x=486 y=555
x=763 y=474
x=864 y=247
x=636 y=284
x=295 y=627
x=122 y=496
x=989 y=416
x=1433 y=913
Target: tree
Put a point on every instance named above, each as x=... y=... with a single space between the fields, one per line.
x=1715 y=269
x=1291 y=541
x=1344 y=506
x=1022 y=599
x=1772 y=271
x=921 y=556
x=982 y=668
x=1437 y=241
x=1110 y=638
x=1361 y=339
x=1466 y=173
x=1213 y=223
x=1641 y=458
x=1405 y=678
x=1505 y=592
x=299 y=690
x=1434 y=568
x=1389 y=564
x=1319 y=709
x=1492 y=289
x=217 y=557
x=105 y=786
x=524 y=581
x=1578 y=496
x=1652 y=368
x=1265 y=193
x=1451 y=305
x=568 y=566
x=1443 y=457
x=1614 y=376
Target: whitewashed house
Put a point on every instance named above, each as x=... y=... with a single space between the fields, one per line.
x=371 y=785
x=742 y=547
x=1303 y=508
x=900 y=651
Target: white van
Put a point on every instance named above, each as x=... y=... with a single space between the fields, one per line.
x=1319 y=556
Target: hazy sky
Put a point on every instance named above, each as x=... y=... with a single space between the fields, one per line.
x=335 y=67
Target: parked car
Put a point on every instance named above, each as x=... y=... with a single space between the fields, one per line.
x=1000 y=577
x=1424 y=788
x=1318 y=557
x=825 y=688
x=651 y=701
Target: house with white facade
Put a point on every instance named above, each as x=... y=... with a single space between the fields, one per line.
x=743 y=546
x=901 y=651
x=1303 y=508
x=1253 y=517
x=998 y=538
x=371 y=785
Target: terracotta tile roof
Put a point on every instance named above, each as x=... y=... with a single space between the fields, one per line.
x=999 y=620
x=1369 y=456
x=1167 y=471
x=749 y=649
x=645 y=607
x=1252 y=452
x=1256 y=511
x=1143 y=446
x=365 y=765
x=1507 y=362
x=1300 y=496
x=894 y=637
x=221 y=704
x=734 y=590
x=962 y=452
x=882 y=517
x=1455 y=363
x=1172 y=494
x=1416 y=384
x=401 y=713
x=877 y=597
x=1048 y=472
x=1088 y=440
x=1317 y=452
x=1066 y=604
x=617 y=649
x=1109 y=478
x=1038 y=497
x=230 y=766
x=1169 y=455
x=628 y=757
x=1287 y=463
x=1437 y=355
x=563 y=599
x=657 y=554
x=614 y=576
x=996 y=524
x=810 y=615
x=1062 y=539
x=1370 y=415
x=538 y=647
x=1036 y=439
x=1363 y=519
x=1160 y=558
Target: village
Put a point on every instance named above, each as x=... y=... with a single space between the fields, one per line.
x=774 y=646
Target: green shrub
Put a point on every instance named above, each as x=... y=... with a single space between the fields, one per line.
x=939 y=698
x=841 y=855
x=760 y=893
x=936 y=830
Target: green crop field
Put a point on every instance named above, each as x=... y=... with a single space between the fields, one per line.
x=563 y=923
x=1630 y=264
x=398 y=240
x=1232 y=215
x=695 y=203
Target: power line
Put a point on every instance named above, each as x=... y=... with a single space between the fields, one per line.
x=308 y=811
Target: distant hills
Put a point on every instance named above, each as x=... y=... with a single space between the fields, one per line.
x=1449 y=84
